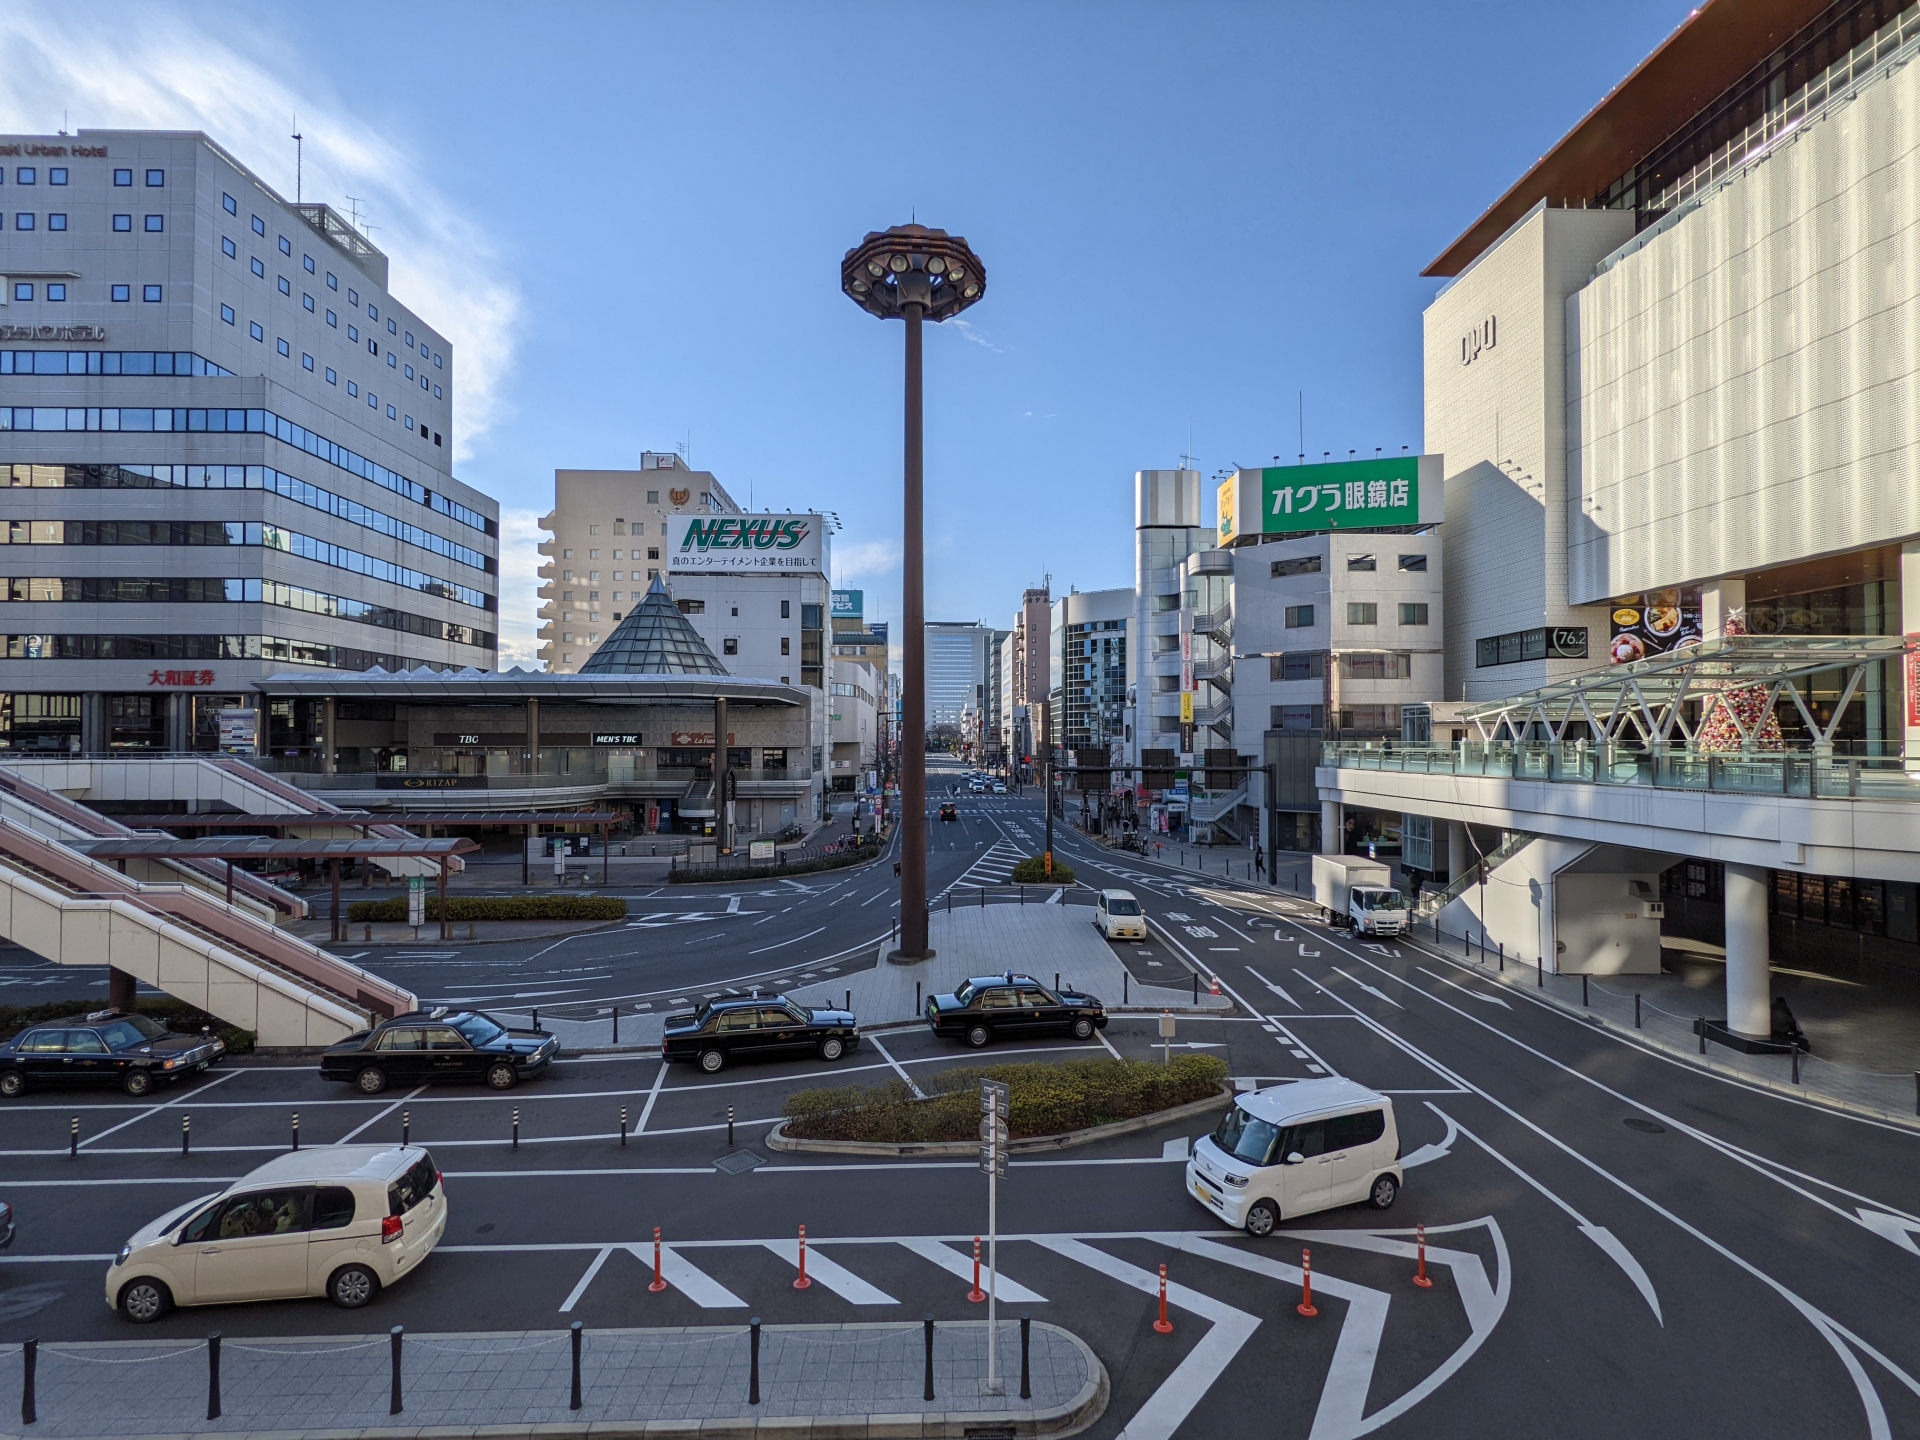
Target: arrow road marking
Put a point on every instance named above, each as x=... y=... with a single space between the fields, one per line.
x=1377 y=994
x=1489 y=999
x=1427 y=1153
x=1274 y=988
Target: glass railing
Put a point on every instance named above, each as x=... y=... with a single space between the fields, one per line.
x=1807 y=774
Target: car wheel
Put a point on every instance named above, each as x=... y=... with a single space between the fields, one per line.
x=832 y=1048
x=712 y=1061
x=144 y=1301
x=1262 y=1217
x=1083 y=1028
x=370 y=1081
x=352 y=1286
x=1384 y=1191
x=136 y=1083
x=978 y=1036
x=12 y=1083
x=502 y=1076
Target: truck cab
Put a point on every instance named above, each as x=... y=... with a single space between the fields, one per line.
x=1377 y=910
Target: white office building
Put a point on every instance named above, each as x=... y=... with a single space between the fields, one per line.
x=228 y=450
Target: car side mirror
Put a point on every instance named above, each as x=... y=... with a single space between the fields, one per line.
x=1296 y=1158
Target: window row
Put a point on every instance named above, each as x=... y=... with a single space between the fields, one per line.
x=56 y=292
x=201 y=647
x=107 y=362
x=1311 y=564
x=253 y=422
x=237 y=477
x=236 y=532
x=1359 y=612
x=195 y=589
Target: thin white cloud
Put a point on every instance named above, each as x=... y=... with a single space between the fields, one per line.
x=169 y=69
x=856 y=559
x=519 y=585
x=967 y=332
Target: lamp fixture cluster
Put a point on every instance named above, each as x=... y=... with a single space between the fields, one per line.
x=912 y=265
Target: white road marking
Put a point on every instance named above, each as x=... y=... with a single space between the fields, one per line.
x=1377 y=994
x=379 y=1116
x=782 y=943
x=1488 y=999
x=653 y=1096
x=580 y=1289
x=154 y=1109
x=831 y=1274
x=1426 y=1154
x=1168 y=1407
x=918 y=1093
x=955 y=1263
x=680 y=1274
x=1274 y=988
x=733 y=905
x=1178 y=1148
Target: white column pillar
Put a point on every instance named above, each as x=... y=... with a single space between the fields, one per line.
x=1749 y=983
x=1459 y=853
x=1717 y=600
x=1910 y=627
x=1333 y=827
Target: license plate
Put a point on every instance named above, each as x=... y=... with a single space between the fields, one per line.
x=1202 y=1191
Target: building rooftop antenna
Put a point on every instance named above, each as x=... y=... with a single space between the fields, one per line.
x=299 y=161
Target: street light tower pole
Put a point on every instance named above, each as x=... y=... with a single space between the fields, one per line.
x=912 y=273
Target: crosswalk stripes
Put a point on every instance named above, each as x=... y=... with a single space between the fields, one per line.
x=954 y=1263
x=698 y=1286
x=831 y=1274
x=994 y=867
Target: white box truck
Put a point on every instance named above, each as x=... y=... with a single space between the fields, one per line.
x=1359 y=894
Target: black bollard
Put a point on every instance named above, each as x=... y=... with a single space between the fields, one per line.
x=848 y=1007
x=186 y=1135
x=1125 y=976
x=729 y=1127
x=918 y=1008
x=516 y=1127
x=1583 y=990
x=753 y=1361
x=1636 y=1009
x=1796 y=1064
x=1503 y=956
x=1196 y=987
x=1026 y=1383
x=623 y=1127
x=296 y=1129
x=1540 y=972
x=1700 y=1024
x=406 y=1124
x=927 y=1327
x=29 y=1362
x=536 y=1019
x=393 y=1339
x=73 y=1139
x=1056 y=982
x=574 y=1404
x=213 y=1376
x=616 y=1024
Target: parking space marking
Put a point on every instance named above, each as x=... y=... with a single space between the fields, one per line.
x=154 y=1110
x=653 y=1096
x=955 y=1263
x=381 y=1116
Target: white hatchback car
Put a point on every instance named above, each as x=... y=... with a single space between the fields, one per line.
x=1117 y=915
x=340 y=1221
x=1292 y=1149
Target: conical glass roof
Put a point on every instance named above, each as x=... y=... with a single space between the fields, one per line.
x=654 y=639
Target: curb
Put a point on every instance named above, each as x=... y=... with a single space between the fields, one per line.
x=1694 y=1061
x=777 y=1138
x=330 y=946
x=1085 y=1408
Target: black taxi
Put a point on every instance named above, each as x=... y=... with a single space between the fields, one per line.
x=753 y=1027
x=103 y=1047
x=425 y=1046
x=998 y=1007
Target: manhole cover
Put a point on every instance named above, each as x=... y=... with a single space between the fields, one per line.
x=739 y=1162
x=1645 y=1127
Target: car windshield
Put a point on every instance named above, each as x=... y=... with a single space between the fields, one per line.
x=1381 y=900
x=478 y=1029
x=119 y=1034
x=1123 y=907
x=1245 y=1137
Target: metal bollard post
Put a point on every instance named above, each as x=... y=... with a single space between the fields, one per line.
x=73 y=1139
x=393 y=1338
x=1700 y=1024
x=30 y=1362
x=406 y=1124
x=623 y=1127
x=296 y=1129
x=574 y=1404
x=1636 y=1009
x=927 y=1329
x=753 y=1361
x=1026 y=1381
x=616 y=1024
x=1056 y=982
x=729 y=1127
x=536 y=1019
x=1196 y=987
x=213 y=1376
x=1540 y=971
x=848 y=1007
x=918 y=1008
x=186 y=1135
x=1503 y=955
x=1583 y=990
x=1796 y=1064
x=1125 y=976
x=516 y=1127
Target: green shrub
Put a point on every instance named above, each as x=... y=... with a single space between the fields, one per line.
x=1033 y=871
x=1045 y=1100
x=174 y=1014
x=509 y=907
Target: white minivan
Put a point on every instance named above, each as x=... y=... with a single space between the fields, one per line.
x=340 y=1220
x=1292 y=1149
x=1117 y=915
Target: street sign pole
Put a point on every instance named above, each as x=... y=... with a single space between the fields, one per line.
x=994 y=1098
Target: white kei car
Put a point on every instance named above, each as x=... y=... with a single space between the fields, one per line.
x=341 y=1221
x=1117 y=915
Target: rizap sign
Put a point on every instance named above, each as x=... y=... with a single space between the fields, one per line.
x=745 y=543
x=1351 y=495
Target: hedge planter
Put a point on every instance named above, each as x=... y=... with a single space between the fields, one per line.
x=1033 y=871
x=510 y=907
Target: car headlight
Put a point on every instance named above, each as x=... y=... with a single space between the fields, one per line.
x=1237 y=1181
x=168 y=1064
x=126 y=1252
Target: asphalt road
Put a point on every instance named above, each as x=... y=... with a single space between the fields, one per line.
x=1620 y=1243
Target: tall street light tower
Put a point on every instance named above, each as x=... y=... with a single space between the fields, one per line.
x=912 y=273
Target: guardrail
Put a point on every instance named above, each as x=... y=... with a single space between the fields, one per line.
x=1805 y=774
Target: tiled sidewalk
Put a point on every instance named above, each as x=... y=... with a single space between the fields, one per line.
x=842 y=1377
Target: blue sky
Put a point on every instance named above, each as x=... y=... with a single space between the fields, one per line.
x=629 y=220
